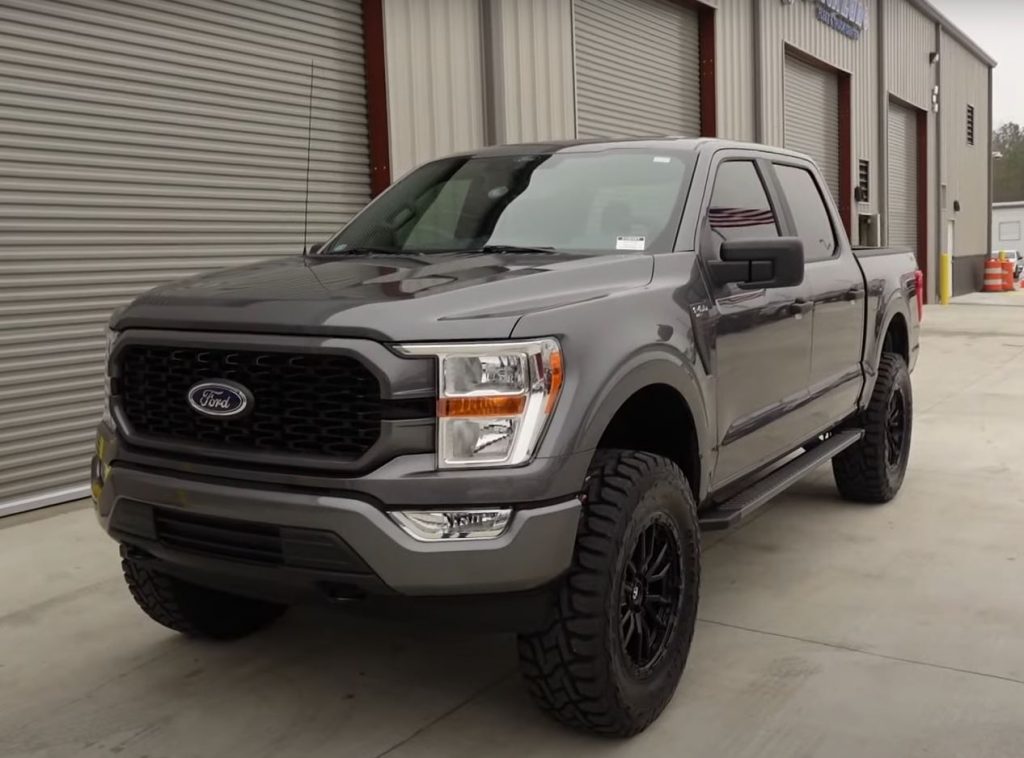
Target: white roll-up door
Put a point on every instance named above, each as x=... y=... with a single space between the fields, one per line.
x=902 y=194
x=812 y=117
x=637 y=68
x=142 y=141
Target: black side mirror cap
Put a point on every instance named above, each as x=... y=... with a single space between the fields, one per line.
x=315 y=248
x=760 y=263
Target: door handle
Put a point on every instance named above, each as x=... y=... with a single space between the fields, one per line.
x=800 y=307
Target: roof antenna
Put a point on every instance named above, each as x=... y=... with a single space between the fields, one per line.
x=309 y=147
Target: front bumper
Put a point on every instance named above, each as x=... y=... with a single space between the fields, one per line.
x=371 y=554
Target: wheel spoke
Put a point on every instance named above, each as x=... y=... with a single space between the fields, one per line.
x=659 y=600
x=629 y=622
x=657 y=562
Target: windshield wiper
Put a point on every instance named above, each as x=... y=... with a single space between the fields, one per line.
x=500 y=249
x=361 y=250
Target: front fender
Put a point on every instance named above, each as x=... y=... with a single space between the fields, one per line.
x=618 y=344
x=649 y=367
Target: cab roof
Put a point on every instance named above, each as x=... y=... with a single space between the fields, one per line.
x=667 y=144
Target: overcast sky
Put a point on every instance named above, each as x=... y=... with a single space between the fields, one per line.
x=998 y=27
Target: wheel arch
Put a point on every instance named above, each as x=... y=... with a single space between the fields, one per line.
x=890 y=333
x=658 y=407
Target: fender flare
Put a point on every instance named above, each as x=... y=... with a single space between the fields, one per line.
x=645 y=369
x=896 y=304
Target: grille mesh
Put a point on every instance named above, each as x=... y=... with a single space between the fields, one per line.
x=303 y=404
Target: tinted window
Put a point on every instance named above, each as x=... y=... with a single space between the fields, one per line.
x=739 y=205
x=809 y=214
x=581 y=199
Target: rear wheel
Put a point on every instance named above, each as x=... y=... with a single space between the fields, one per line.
x=872 y=471
x=193 y=610
x=611 y=658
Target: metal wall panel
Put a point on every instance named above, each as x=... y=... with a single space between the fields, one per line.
x=735 y=66
x=534 y=97
x=637 y=68
x=796 y=25
x=1008 y=226
x=434 y=61
x=902 y=176
x=965 y=167
x=909 y=38
x=811 y=113
x=143 y=141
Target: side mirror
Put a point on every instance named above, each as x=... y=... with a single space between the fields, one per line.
x=314 y=248
x=760 y=263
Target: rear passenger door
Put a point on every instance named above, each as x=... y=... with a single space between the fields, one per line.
x=762 y=349
x=835 y=285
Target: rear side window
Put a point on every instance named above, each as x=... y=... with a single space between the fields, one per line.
x=739 y=205
x=812 y=222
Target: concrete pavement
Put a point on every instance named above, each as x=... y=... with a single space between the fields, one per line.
x=827 y=629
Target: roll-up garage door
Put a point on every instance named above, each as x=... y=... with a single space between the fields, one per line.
x=902 y=195
x=812 y=117
x=142 y=141
x=637 y=68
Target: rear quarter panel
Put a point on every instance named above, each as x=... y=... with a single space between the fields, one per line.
x=889 y=274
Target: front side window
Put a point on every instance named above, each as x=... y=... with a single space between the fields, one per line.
x=739 y=207
x=809 y=214
x=595 y=200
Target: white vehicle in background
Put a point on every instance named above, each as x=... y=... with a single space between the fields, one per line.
x=1012 y=255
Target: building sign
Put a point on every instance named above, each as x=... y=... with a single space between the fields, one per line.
x=848 y=17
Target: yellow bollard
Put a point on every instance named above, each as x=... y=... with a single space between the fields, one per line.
x=945 y=278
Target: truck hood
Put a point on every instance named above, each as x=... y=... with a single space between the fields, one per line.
x=449 y=296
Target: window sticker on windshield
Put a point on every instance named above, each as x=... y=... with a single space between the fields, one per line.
x=662 y=159
x=629 y=243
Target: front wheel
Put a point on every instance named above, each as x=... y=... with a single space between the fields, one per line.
x=193 y=610
x=611 y=659
x=872 y=471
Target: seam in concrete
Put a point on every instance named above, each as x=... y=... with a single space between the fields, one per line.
x=454 y=709
x=845 y=648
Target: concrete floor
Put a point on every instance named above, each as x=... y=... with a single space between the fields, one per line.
x=827 y=629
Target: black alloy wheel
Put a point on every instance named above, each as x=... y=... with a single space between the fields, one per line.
x=651 y=590
x=895 y=428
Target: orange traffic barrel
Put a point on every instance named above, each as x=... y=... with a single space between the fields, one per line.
x=993 y=275
x=1008 y=276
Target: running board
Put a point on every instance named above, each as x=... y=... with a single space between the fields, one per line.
x=743 y=505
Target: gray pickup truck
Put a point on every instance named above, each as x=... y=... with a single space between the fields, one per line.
x=512 y=391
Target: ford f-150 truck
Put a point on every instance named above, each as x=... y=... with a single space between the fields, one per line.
x=514 y=389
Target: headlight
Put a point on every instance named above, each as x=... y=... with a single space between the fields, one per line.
x=494 y=399
x=108 y=418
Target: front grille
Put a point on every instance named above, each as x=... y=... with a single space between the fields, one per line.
x=303 y=403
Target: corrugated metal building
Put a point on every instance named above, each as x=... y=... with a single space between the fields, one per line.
x=1008 y=226
x=144 y=140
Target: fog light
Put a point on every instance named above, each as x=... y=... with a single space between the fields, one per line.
x=97 y=475
x=432 y=526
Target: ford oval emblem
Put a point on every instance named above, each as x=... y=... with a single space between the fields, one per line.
x=218 y=397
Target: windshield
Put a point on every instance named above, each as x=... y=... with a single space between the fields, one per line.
x=607 y=200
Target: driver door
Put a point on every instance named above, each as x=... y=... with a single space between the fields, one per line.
x=763 y=338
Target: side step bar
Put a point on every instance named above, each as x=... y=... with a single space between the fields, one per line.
x=741 y=506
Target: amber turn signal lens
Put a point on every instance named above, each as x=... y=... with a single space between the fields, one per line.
x=556 y=381
x=481 y=406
